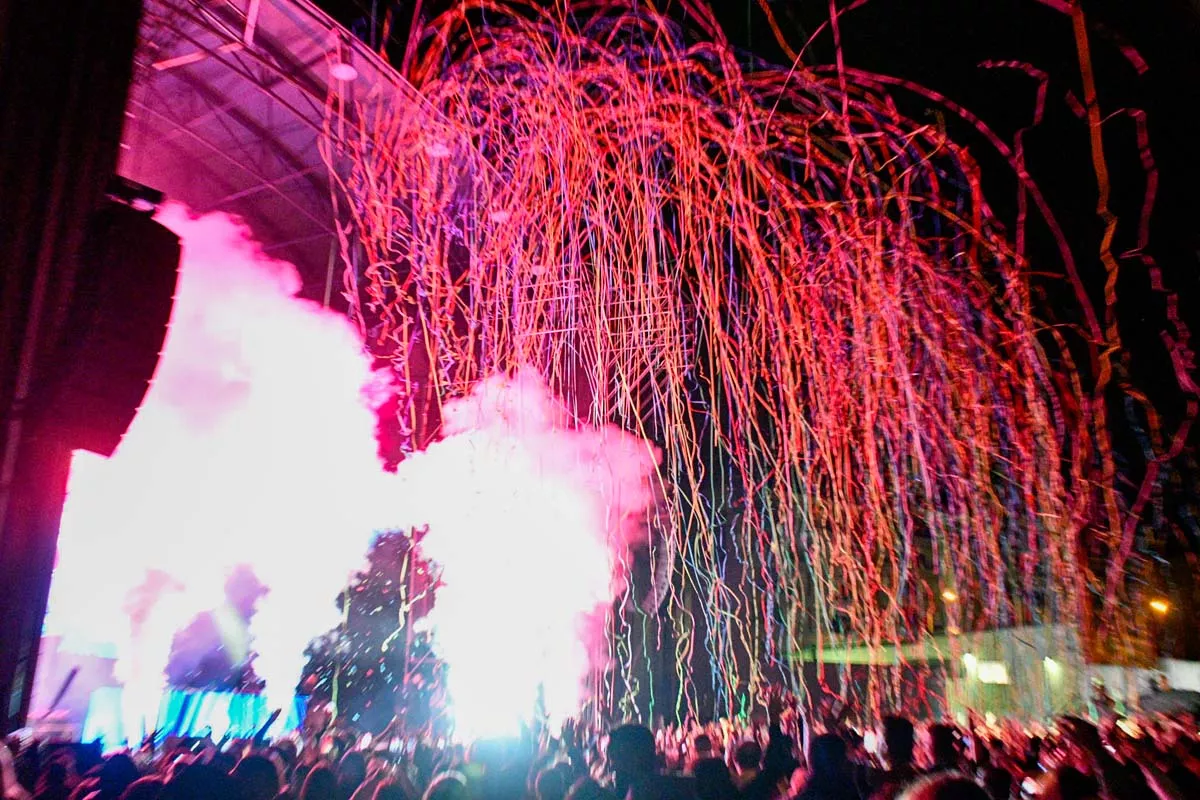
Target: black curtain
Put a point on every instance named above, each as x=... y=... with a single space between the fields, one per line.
x=65 y=70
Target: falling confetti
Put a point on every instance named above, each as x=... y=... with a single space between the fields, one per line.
x=796 y=291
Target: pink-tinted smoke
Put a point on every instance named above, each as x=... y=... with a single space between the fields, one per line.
x=528 y=515
x=255 y=446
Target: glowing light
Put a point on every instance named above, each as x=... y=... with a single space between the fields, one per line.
x=341 y=71
x=1052 y=666
x=992 y=672
x=949 y=595
x=969 y=661
x=1159 y=606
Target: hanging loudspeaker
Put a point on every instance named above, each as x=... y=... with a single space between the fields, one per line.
x=115 y=327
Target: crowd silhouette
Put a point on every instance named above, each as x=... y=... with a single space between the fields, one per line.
x=781 y=754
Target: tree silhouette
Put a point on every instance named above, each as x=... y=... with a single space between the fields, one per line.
x=379 y=662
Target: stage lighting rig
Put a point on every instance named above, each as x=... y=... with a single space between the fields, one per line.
x=135 y=195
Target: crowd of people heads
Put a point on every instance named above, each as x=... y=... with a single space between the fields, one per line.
x=784 y=756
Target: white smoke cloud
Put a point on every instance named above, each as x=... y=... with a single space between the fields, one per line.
x=529 y=516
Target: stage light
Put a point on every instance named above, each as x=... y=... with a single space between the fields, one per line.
x=950 y=596
x=992 y=672
x=1159 y=606
x=135 y=195
x=341 y=71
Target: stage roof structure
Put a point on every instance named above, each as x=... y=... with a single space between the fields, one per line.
x=227 y=110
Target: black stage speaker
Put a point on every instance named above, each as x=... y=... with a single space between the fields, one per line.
x=115 y=327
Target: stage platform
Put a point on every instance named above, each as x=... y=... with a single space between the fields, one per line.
x=186 y=713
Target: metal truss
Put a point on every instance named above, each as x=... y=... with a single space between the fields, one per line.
x=228 y=109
